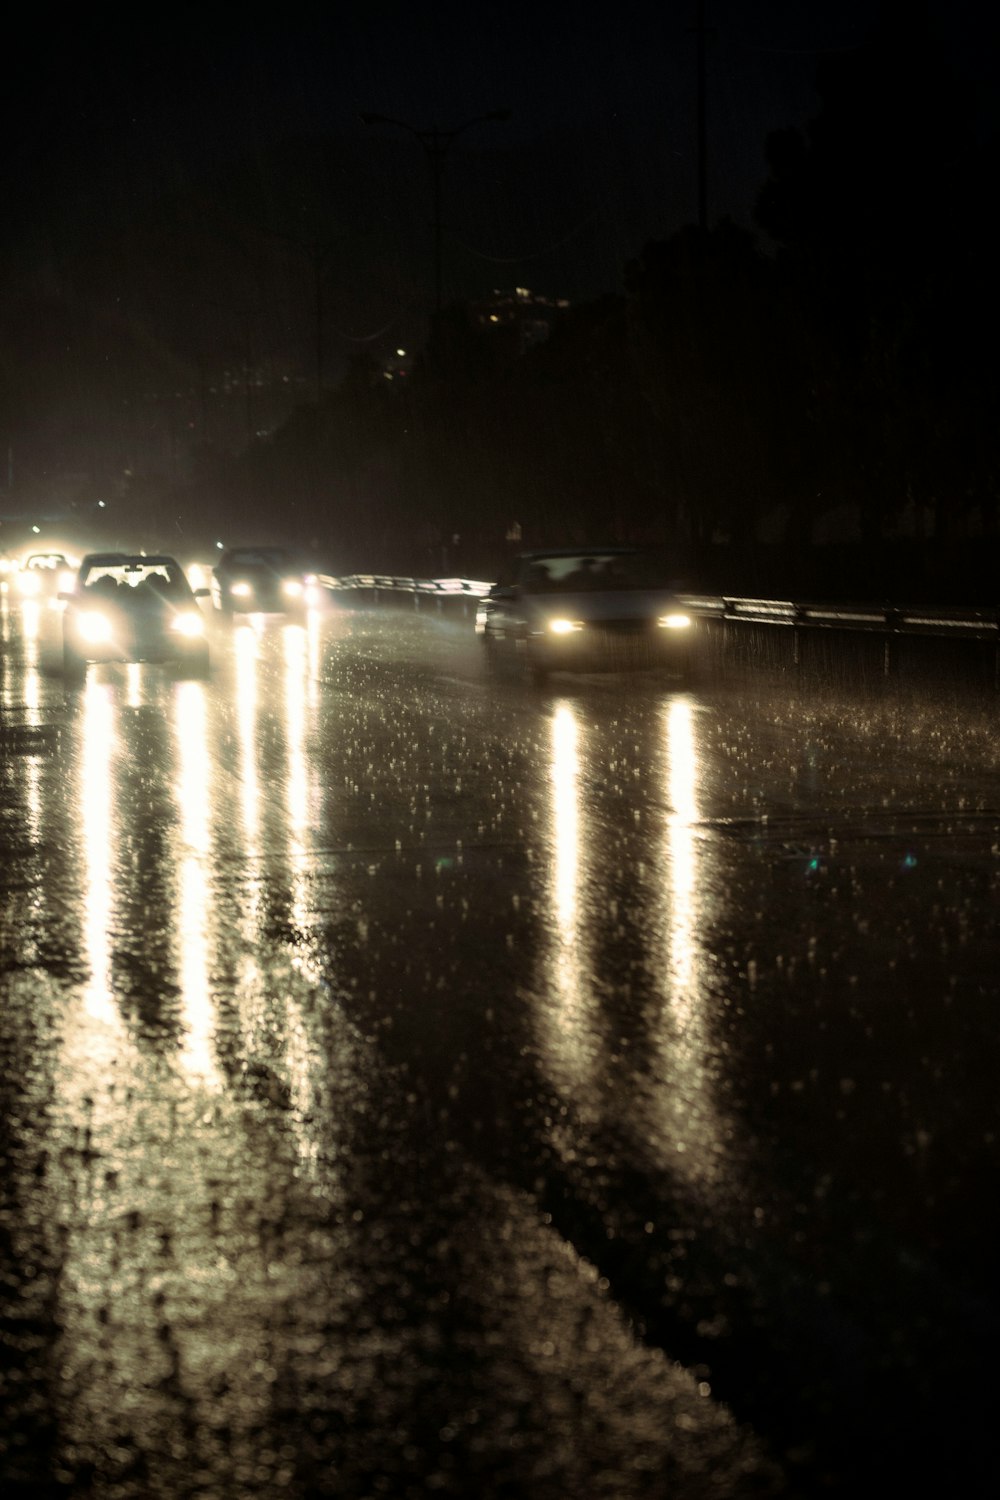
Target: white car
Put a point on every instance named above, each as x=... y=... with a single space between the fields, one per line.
x=586 y=610
x=44 y=574
x=133 y=607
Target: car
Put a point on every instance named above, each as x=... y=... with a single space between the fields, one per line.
x=133 y=607
x=43 y=574
x=9 y=568
x=586 y=609
x=265 y=580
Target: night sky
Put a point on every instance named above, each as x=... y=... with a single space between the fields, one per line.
x=184 y=175
x=102 y=116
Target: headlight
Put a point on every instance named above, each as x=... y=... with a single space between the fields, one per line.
x=66 y=581
x=564 y=627
x=189 y=622
x=29 y=583
x=292 y=587
x=94 y=626
x=674 y=622
x=243 y=590
x=312 y=594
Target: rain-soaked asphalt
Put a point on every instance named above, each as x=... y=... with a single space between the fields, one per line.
x=416 y=1083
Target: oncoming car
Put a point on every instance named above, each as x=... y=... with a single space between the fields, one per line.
x=576 y=610
x=133 y=607
x=43 y=574
x=265 y=580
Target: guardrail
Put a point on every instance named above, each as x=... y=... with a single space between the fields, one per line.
x=432 y=592
x=944 y=620
x=950 y=620
x=892 y=622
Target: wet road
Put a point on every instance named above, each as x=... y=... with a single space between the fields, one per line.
x=417 y=1083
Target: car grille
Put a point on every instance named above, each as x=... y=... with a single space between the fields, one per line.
x=619 y=629
x=628 y=643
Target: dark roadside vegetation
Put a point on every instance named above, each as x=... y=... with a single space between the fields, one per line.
x=802 y=409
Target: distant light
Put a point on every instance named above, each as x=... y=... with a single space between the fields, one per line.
x=36 y=530
x=101 y=504
x=401 y=353
x=219 y=545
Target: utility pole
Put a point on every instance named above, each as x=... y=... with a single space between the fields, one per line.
x=436 y=144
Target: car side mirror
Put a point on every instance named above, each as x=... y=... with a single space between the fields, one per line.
x=202 y=593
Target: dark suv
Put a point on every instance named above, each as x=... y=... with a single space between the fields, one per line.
x=266 y=580
x=573 y=609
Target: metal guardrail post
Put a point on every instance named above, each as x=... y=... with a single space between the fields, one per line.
x=796 y=639
x=890 y=652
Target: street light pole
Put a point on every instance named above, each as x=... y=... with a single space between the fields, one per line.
x=436 y=144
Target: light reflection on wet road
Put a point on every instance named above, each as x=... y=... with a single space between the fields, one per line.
x=402 y=1068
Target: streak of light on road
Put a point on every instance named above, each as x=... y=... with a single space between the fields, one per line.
x=194 y=906
x=245 y=644
x=681 y=774
x=96 y=803
x=31 y=627
x=682 y=1091
x=563 y=1018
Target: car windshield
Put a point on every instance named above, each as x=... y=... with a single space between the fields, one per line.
x=117 y=579
x=46 y=561
x=574 y=572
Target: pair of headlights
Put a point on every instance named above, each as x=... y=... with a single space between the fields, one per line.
x=96 y=627
x=561 y=626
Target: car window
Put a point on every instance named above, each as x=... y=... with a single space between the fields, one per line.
x=585 y=571
x=118 y=580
